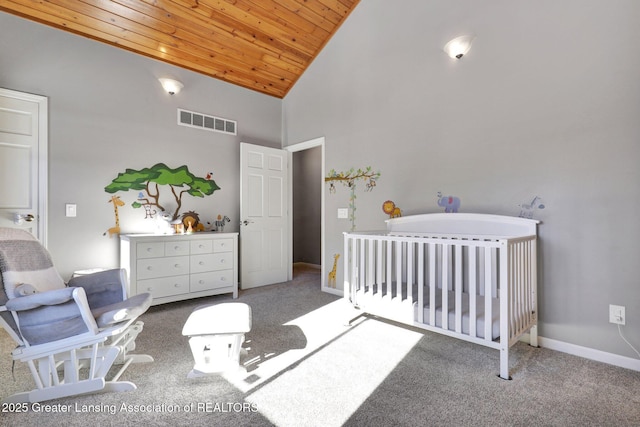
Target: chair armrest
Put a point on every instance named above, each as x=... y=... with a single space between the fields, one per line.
x=103 y=288
x=52 y=315
x=123 y=311
x=29 y=302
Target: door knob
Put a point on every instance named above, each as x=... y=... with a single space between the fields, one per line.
x=20 y=218
x=246 y=222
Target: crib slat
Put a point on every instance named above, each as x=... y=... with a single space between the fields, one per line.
x=362 y=271
x=458 y=261
x=410 y=272
x=420 y=283
x=370 y=281
x=379 y=265
x=446 y=278
x=473 y=252
x=432 y=284
x=389 y=282
x=488 y=284
x=399 y=258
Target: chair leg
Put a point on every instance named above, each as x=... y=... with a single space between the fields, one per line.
x=97 y=358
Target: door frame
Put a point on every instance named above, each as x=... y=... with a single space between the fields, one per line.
x=43 y=156
x=305 y=145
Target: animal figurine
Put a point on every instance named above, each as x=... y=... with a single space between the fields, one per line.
x=202 y=227
x=163 y=223
x=190 y=221
x=116 y=203
x=219 y=224
x=451 y=204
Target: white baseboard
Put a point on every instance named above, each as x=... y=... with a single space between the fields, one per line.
x=590 y=353
x=333 y=291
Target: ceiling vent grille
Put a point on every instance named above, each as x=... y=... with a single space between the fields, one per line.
x=206 y=122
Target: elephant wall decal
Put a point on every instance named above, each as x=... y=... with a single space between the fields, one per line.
x=527 y=209
x=451 y=204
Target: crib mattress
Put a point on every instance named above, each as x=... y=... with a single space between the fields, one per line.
x=400 y=309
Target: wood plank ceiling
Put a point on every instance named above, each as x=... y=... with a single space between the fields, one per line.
x=263 y=45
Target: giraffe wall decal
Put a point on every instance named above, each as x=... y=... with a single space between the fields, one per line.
x=332 y=273
x=116 y=203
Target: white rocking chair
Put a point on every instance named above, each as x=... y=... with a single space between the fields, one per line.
x=69 y=336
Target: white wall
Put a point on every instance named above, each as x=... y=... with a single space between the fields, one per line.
x=546 y=103
x=108 y=112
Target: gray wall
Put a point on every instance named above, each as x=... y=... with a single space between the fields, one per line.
x=545 y=104
x=108 y=112
x=307 y=170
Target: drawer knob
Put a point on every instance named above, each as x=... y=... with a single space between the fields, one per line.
x=149 y=268
x=149 y=249
x=222 y=261
x=176 y=247
x=177 y=266
x=201 y=282
x=201 y=246
x=177 y=285
x=201 y=262
x=149 y=288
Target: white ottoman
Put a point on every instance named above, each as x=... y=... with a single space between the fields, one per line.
x=216 y=334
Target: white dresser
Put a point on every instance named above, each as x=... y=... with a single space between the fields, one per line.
x=181 y=266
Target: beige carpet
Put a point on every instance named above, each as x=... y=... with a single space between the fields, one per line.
x=305 y=367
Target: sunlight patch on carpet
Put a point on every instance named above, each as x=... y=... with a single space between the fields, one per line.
x=326 y=388
x=317 y=327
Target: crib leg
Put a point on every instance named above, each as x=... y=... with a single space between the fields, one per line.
x=533 y=336
x=504 y=364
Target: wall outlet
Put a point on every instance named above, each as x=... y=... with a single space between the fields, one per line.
x=343 y=213
x=616 y=314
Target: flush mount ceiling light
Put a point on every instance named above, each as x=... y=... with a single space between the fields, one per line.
x=459 y=46
x=171 y=86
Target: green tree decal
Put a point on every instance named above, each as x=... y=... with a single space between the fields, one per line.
x=149 y=180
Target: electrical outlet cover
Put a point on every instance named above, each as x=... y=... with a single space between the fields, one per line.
x=616 y=314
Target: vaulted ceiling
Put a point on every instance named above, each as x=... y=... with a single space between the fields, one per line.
x=263 y=45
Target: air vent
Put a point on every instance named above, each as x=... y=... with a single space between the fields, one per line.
x=206 y=122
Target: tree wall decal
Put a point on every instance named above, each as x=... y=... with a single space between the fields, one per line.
x=149 y=180
x=349 y=180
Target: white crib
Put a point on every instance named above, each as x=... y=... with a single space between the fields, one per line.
x=482 y=268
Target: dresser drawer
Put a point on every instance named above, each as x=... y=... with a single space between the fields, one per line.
x=201 y=247
x=164 y=287
x=211 y=280
x=150 y=250
x=223 y=245
x=211 y=262
x=176 y=248
x=160 y=267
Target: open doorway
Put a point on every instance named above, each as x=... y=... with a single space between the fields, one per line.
x=307 y=207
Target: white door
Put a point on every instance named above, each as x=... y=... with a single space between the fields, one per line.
x=263 y=215
x=23 y=162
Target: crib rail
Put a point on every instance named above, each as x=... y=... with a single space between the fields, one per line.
x=478 y=288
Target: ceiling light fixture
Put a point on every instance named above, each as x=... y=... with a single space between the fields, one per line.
x=171 y=86
x=459 y=46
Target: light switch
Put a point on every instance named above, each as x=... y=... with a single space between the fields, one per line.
x=343 y=213
x=71 y=209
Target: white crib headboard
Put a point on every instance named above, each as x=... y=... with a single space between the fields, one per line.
x=464 y=223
